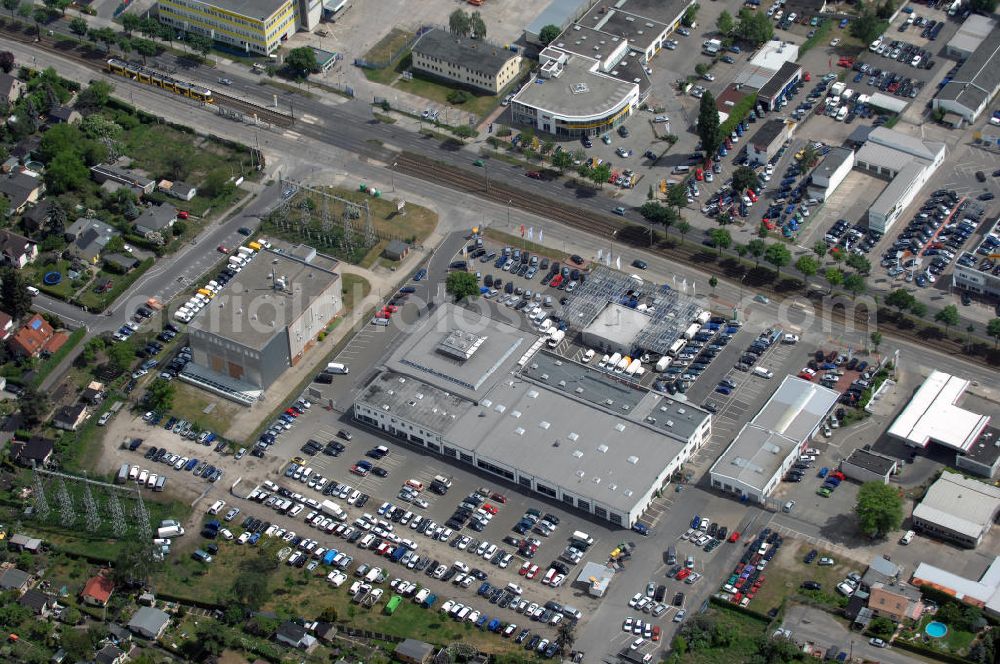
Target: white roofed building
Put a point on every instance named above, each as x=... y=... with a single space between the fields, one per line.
x=934 y=416
x=958 y=509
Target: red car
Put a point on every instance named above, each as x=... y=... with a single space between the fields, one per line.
x=524 y=568
x=534 y=175
x=683 y=574
x=699 y=174
x=806 y=77
x=182 y=215
x=292 y=412
x=839 y=475
x=490 y=508
x=734 y=536
x=656 y=632
x=222 y=249
x=391 y=308
x=532 y=572
x=499 y=497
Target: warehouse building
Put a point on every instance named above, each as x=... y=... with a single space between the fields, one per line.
x=906 y=161
x=970 y=36
x=775 y=90
x=976 y=82
x=252 y=26
x=831 y=172
x=483 y=393
x=868 y=466
x=958 y=509
x=767 y=446
x=471 y=63
x=934 y=416
x=768 y=139
x=262 y=322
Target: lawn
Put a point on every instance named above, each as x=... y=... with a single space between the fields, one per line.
x=479 y=104
x=190 y=404
x=956 y=640
x=391 y=44
x=94 y=301
x=521 y=243
x=304 y=222
x=190 y=157
x=354 y=288
x=786 y=572
x=63 y=290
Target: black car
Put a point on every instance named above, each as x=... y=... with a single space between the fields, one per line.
x=811 y=585
x=679 y=599
x=811 y=556
x=641 y=264
x=576 y=259
x=981 y=176
x=245 y=231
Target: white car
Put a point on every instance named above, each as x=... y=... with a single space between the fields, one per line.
x=243 y=538
x=636 y=598
x=835 y=42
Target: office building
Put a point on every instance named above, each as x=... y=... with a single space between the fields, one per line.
x=471 y=63
x=958 y=509
x=254 y=26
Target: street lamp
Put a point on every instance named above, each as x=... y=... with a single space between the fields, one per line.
x=508 y=212
x=611 y=256
x=392 y=176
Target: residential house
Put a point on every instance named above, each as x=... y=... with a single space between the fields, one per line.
x=35 y=452
x=471 y=63
x=899 y=602
x=156 y=219
x=412 y=651
x=120 y=174
x=88 y=237
x=26 y=148
x=15 y=579
x=881 y=570
x=110 y=654
x=37 y=217
x=6 y=326
x=64 y=115
x=69 y=418
x=36 y=336
x=20 y=190
x=38 y=602
x=149 y=622
x=295 y=635
x=16 y=250
x=11 y=88
x=178 y=190
x=25 y=543
x=97 y=590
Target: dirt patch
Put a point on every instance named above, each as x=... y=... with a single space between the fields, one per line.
x=786 y=572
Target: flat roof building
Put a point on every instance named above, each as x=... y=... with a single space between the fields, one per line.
x=768 y=139
x=615 y=329
x=983 y=456
x=934 y=416
x=262 y=322
x=561 y=429
x=252 y=26
x=773 y=92
x=958 y=509
x=984 y=593
x=970 y=36
x=868 y=466
x=906 y=161
x=773 y=440
x=831 y=172
x=471 y=63
x=976 y=82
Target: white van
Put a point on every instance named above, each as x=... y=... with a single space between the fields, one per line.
x=907 y=538
x=216 y=507
x=581 y=536
x=337 y=368
x=32 y=291
x=763 y=372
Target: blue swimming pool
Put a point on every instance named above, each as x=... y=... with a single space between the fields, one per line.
x=936 y=629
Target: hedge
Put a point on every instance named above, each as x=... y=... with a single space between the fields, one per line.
x=929 y=652
x=738 y=112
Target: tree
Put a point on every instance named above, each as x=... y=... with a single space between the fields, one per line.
x=855 y=284
x=39 y=15
x=683 y=228
x=160 y=395
x=918 y=309
x=834 y=276
x=741 y=250
x=24 y=10
x=708 y=124
x=655 y=213
x=300 y=62
x=202 y=44
x=993 y=329
x=810 y=155
x=66 y=172
x=879 y=508
x=562 y=160
x=145 y=47
x=867 y=27
x=78 y=26
x=744 y=178
x=459 y=23
x=461 y=285
x=876 y=338
x=477 y=26
x=713 y=281
x=217 y=183
x=58 y=5
x=947 y=316
x=756 y=248
x=754 y=27
x=807 y=265
x=11 y=6
x=566 y=636
x=458 y=97
x=94 y=96
x=899 y=299
x=134 y=563
x=721 y=239
x=106 y=36
x=724 y=219
x=820 y=248
x=676 y=196
x=548 y=34
x=778 y=255
x=600 y=174
x=131 y=22
x=859 y=263
x=34 y=406
x=690 y=15
x=14 y=293
x=725 y=22
x=7 y=61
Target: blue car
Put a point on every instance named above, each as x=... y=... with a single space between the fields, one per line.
x=484 y=588
x=823 y=472
x=191 y=464
x=722 y=389
x=641 y=529
x=421 y=273
x=696 y=521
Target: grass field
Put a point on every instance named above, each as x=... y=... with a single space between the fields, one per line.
x=478 y=104
x=354 y=288
x=190 y=403
x=786 y=572
x=521 y=243
x=956 y=640
x=745 y=631
x=391 y=44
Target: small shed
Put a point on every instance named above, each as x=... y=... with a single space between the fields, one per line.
x=149 y=622
x=21 y=542
x=396 y=250
x=413 y=651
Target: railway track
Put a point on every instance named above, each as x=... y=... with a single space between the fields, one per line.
x=98 y=62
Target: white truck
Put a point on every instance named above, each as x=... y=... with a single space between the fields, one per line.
x=337 y=368
x=692 y=330
x=663 y=363
x=169 y=531
x=333 y=509
x=703 y=317
x=556 y=337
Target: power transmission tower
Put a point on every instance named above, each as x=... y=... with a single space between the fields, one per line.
x=141 y=515
x=41 y=504
x=67 y=513
x=118 y=524
x=371 y=237
x=92 y=516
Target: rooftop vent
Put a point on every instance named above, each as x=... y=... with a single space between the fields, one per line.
x=680 y=411
x=401 y=380
x=487 y=403
x=579 y=390
x=419 y=395
x=562 y=383
x=612 y=487
x=533 y=394
x=633 y=460
x=543 y=424
x=573 y=436
x=500 y=408
x=651 y=419
x=578 y=454
x=620 y=427
x=515 y=413
x=519 y=431
x=580 y=474
x=602 y=448
x=627 y=492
